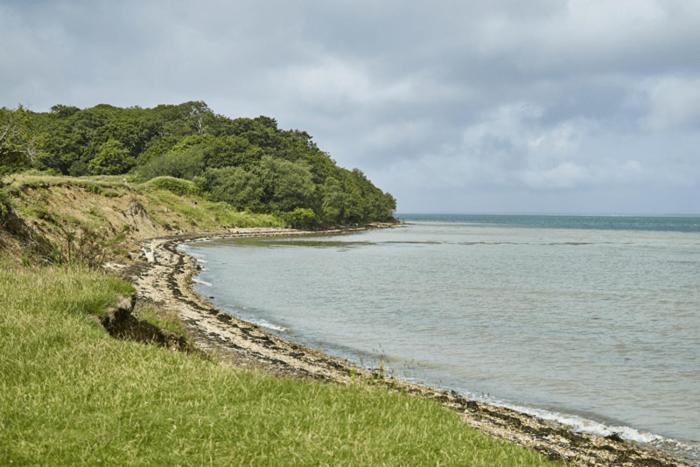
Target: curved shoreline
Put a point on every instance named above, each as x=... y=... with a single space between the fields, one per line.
x=166 y=278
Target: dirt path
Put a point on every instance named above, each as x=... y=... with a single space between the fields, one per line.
x=165 y=277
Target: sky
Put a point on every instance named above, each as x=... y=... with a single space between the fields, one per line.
x=538 y=106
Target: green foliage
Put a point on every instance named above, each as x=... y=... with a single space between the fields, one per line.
x=181 y=161
x=5 y=207
x=285 y=185
x=301 y=218
x=112 y=159
x=70 y=394
x=20 y=143
x=236 y=186
x=174 y=185
x=204 y=214
x=337 y=202
x=161 y=318
x=247 y=162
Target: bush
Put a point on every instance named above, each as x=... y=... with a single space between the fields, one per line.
x=174 y=185
x=5 y=207
x=186 y=163
x=112 y=159
x=301 y=218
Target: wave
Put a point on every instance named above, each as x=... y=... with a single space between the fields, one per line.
x=266 y=324
x=584 y=425
x=579 y=424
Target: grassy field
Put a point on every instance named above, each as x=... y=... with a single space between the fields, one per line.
x=71 y=394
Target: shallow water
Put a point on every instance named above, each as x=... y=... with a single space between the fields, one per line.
x=592 y=321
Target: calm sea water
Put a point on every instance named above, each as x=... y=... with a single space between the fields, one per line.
x=594 y=321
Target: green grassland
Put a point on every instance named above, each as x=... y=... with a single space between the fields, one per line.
x=72 y=394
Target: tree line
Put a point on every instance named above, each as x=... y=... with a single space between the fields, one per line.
x=247 y=162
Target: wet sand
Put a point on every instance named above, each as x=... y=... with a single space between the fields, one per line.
x=163 y=275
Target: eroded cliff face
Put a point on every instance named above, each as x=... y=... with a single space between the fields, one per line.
x=61 y=217
x=55 y=222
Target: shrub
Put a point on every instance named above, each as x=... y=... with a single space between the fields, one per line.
x=112 y=159
x=5 y=207
x=174 y=185
x=301 y=218
x=187 y=163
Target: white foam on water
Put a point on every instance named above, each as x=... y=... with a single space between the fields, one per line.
x=584 y=425
x=266 y=324
x=200 y=281
x=690 y=452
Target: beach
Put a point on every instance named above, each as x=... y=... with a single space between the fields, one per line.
x=166 y=277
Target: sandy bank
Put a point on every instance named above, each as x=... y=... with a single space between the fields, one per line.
x=164 y=276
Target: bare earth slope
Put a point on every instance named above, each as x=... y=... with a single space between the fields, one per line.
x=105 y=216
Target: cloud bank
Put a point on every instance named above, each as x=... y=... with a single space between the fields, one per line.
x=506 y=106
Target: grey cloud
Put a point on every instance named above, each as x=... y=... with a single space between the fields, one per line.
x=543 y=105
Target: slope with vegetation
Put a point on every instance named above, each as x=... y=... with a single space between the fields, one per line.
x=70 y=393
x=59 y=219
x=248 y=163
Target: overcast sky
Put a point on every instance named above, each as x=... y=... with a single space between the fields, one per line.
x=492 y=106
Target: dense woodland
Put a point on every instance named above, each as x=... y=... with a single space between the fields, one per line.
x=247 y=162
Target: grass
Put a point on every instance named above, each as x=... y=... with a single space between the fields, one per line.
x=34 y=179
x=111 y=212
x=160 y=318
x=71 y=394
x=173 y=201
x=203 y=214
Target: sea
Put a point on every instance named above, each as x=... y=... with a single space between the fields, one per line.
x=593 y=321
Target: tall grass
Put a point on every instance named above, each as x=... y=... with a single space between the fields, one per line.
x=71 y=394
x=205 y=214
x=173 y=202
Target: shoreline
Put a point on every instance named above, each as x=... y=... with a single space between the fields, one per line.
x=166 y=278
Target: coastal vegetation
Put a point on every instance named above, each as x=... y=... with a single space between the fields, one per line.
x=248 y=163
x=79 y=190
x=63 y=219
x=71 y=394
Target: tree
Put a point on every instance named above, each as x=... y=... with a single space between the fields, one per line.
x=20 y=144
x=236 y=186
x=336 y=202
x=179 y=162
x=301 y=218
x=64 y=110
x=286 y=185
x=247 y=162
x=111 y=159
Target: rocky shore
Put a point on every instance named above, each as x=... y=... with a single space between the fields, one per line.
x=163 y=275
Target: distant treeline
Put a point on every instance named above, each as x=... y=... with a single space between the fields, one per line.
x=246 y=162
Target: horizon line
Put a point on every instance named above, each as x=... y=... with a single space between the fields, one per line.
x=534 y=213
